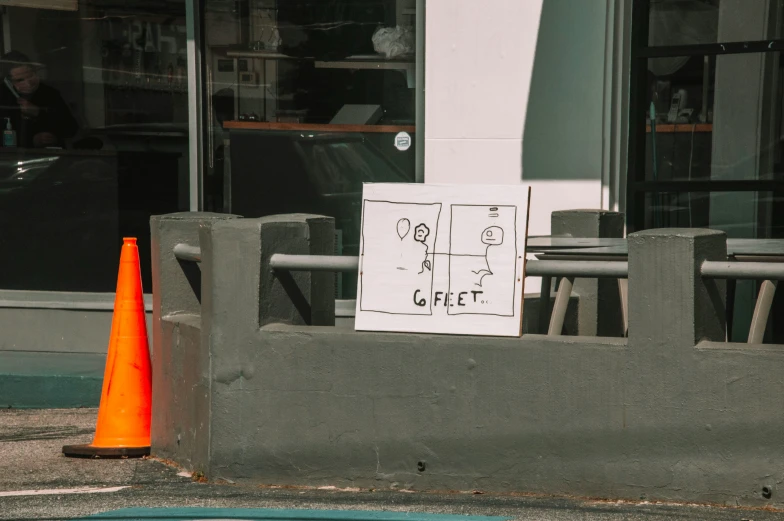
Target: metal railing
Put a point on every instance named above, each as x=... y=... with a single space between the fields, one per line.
x=769 y=273
x=742 y=270
x=283 y=264
x=568 y=271
x=189 y=256
x=186 y=252
x=565 y=268
x=546 y=269
x=282 y=261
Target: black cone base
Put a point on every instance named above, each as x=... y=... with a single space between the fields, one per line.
x=88 y=451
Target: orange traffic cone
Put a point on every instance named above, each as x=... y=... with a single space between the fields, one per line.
x=123 y=427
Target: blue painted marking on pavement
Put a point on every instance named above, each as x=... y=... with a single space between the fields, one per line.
x=265 y=514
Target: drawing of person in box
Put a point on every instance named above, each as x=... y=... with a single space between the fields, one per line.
x=420 y=235
x=36 y=111
x=492 y=236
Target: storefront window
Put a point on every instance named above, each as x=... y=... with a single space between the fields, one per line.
x=94 y=108
x=307 y=100
x=706 y=116
x=733 y=212
x=706 y=113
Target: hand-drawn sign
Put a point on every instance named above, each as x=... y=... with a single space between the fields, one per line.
x=442 y=259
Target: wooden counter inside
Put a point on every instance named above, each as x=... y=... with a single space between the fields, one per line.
x=670 y=128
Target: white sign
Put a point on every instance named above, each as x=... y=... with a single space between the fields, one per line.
x=442 y=258
x=403 y=141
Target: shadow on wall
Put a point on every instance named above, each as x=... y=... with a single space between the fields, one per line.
x=563 y=126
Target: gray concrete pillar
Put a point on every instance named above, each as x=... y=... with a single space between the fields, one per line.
x=179 y=359
x=241 y=295
x=590 y=224
x=176 y=284
x=670 y=305
x=599 y=307
x=241 y=290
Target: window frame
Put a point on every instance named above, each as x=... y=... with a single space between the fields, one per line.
x=637 y=187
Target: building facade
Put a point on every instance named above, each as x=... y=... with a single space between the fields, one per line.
x=667 y=110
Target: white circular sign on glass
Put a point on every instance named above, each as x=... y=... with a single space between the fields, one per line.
x=403 y=141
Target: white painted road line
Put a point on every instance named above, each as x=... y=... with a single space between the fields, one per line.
x=58 y=491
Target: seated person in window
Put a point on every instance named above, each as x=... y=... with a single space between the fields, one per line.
x=37 y=112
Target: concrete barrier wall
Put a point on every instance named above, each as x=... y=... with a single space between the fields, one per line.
x=244 y=390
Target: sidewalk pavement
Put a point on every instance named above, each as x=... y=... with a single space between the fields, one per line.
x=37 y=482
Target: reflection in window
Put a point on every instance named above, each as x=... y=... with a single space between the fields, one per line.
x=716 y=118
x=94 y=108
x=342 y=166
x=722 y=210
x=682 y=22
x=308 y=100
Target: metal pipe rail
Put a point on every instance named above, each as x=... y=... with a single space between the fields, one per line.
x=742 y=270
x=186 y=252
x=282 y=261
x=546 y=269
x=767 y=272
x=588 y=269
x=615 y=270
x=568 y=270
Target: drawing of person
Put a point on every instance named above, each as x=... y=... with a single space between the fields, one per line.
x=421 y=233
x=491 y=236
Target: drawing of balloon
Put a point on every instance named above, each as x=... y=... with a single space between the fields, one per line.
x=403 y=227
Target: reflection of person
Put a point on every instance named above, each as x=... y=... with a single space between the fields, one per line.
x=37 y=112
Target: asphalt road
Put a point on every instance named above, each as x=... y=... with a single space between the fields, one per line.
x=35 y=480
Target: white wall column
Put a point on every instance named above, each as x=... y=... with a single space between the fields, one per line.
x=479 y=61
x=528 y=92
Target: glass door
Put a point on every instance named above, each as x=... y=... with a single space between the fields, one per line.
x=706 y=112
x=305 y=101
x=94 y=102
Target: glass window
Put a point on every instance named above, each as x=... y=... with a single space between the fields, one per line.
x=695 y=22
x=705 y=147
x=683 y=22
x=706 y=115
x=739 y=214
x=93 y=106
x=716 y=118
x=307 y=100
